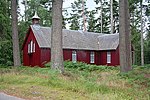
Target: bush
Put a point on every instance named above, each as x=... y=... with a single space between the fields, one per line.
x=147 y=66
x=6 y=55
x=83 y=66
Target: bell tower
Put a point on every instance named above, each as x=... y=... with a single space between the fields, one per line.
x=35 y=19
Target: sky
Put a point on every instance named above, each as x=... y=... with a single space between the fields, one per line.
x=67 y=3
x=90 y=4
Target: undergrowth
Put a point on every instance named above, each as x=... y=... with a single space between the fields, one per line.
x=84 y=67
x=80 y=82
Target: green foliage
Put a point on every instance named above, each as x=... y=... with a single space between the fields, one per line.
x=106 y=16
x=4 y=18
x=135 y=14
x=43 y=10
x=84 y=67
x=92 y=21
x=76 y=17
x=6 y=56
x=138 y=77
x=147 y=47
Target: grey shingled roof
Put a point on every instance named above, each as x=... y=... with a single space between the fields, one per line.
x=73 y=39
x=108 y=41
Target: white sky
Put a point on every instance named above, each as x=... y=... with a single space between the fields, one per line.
x=90 y=4
x=67 y=3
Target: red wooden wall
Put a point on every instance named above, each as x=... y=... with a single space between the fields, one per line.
x=34 y=58
x=67 y=54
x=82 y=56
x=114 y=58
x=45 y=56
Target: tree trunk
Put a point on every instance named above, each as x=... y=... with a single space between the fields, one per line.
x=25 y=10
x=111 y=10
x=142 y=48
x=84 y=17
x=124 y=36
x=101 y=17
x=16 y=53
x=56 y=38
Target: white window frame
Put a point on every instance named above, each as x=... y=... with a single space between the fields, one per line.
x=74 y=56
x=108 y=57
x=92 y=57
x=31 y=47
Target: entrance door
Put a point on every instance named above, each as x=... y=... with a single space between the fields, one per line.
x=30 y=60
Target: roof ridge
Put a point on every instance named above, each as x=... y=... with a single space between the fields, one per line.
x=74 y=39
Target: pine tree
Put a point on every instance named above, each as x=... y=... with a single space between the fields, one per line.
x=124 y=37
x=116 y=16
x=76 y=20
x=56 y=36
x=91 y=21
x=142 y=43
x=16 y=52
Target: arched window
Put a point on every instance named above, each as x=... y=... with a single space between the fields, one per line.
x=31 y=47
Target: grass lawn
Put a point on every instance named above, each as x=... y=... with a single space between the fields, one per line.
x=102 y=83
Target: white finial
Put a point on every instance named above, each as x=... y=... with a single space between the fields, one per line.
x=35 y=16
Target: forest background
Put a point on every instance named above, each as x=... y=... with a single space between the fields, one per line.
x=96 y=18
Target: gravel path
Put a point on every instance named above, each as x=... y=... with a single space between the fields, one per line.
x=4 y=96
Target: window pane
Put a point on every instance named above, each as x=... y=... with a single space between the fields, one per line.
x=33 y=47
x=29 y=48
x=92 y=57
x=108 y=57
x=74 y=56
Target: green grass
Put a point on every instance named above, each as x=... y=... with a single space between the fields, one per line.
x=79 y=82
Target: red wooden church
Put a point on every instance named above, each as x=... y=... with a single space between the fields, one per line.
x=88 y=47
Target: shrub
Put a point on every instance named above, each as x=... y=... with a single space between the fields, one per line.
x=83 y=66
x=6 y=55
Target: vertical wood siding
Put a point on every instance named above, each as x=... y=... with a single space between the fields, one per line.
x=34 y=58
x=45 y=56
x=82 y=56
x=114 y=58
